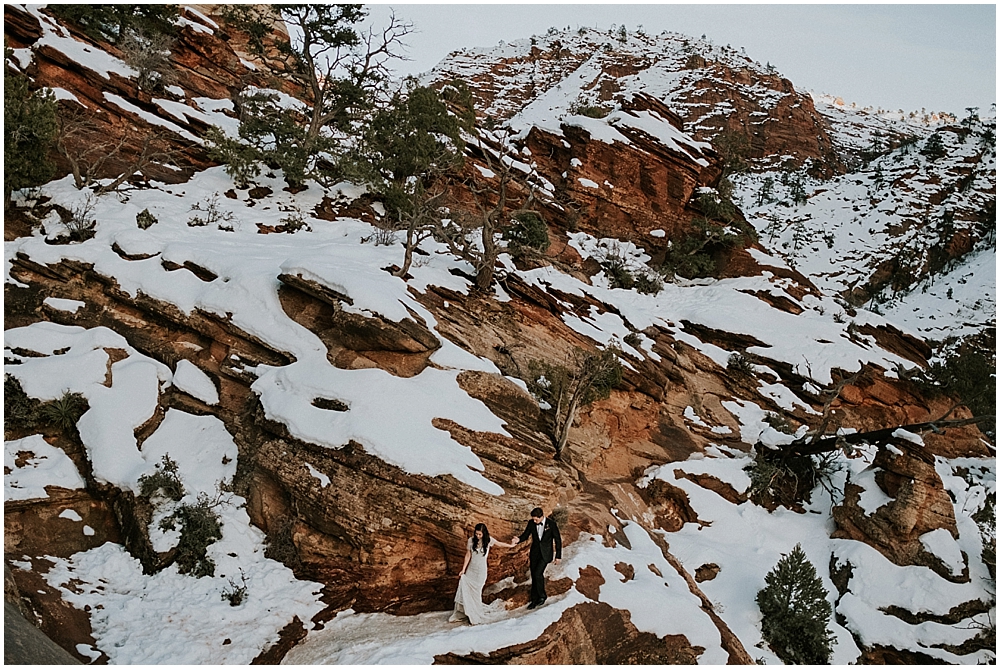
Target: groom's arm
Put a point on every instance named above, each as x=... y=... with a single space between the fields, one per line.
x=556 y=537
x=526 y=534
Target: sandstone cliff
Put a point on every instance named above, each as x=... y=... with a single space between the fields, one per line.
x=349 y=427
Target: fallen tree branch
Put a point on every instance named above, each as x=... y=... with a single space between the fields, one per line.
x=806 y=446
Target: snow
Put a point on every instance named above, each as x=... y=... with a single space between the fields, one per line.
x=194 y=382
x=201 y=17
x=900 y=433
x=63 y=94
x=246 y=293
x=173 y=618
x=152 y=119
x=200 y=445
x=61 y=304
x=876 y=582
x=693 y=417
x=323 y=479
x=169 y=617
x=89 y=57
x=108 y=428
x=87 y=651
x=872 y=496
x=70 y=514
x=942 y=544
x=43 y=465
x=194 y=25
x=408 y=441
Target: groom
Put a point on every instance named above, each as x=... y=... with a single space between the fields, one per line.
x=543 y=532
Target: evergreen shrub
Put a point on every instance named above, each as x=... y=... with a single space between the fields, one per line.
x=795 y=611
x=200 y=527
x=528 y=229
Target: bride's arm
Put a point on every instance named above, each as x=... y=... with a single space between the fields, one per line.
x=505 y=545
x=468 y=556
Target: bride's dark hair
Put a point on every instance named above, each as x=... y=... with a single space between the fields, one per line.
x=486 y=537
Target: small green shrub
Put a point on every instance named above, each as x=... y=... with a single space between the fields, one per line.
x=112 y=22
x=164 y=480
x=740 y=365
x=294 y=222
x=64 y=412
x=236 y=593
x=528 y=229
x=200 y=527
x=30 y=130
x=618 y=275
x=82 y=225
x=648 y=283
x=281 y=545
x=633 y=339
x=986 y=519
x=795 y=611
x=968 y=373
x=933 y=147
x=145 y=220
x=20 y=412
x=210 y=213
x=590 y=111
x=788 y=481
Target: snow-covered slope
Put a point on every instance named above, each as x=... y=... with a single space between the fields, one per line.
x=713 y=89
x=350 y=430
x=894 y=230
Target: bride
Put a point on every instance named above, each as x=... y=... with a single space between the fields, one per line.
x=469 y=598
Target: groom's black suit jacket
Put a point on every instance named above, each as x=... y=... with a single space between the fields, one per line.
x=541 y=549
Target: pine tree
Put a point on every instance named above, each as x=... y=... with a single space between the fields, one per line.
x=342 y=70
x=933 y=147
x=29 y=131
x=112 y=22
x=403 y=149
x=796 y=612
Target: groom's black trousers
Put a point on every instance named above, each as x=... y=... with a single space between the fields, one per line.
x=537 y=581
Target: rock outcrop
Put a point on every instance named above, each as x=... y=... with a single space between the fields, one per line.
x=589 y=633
x=712 y=89
x=918 y=504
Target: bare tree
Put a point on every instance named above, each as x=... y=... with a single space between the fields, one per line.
x=341 y=68
x=155 y=150
x=588 y=376
x=149 y=56
x=489 y=214
x=78 y=142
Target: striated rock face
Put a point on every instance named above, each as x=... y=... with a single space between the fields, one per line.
x=589 y=633
x=205 y=66
x=919 y=504
x=712 y=89
x=640 y=187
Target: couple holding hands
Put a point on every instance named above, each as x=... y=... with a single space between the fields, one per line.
x=546 y=545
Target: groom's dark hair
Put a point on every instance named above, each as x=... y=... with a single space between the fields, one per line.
x=537 y=512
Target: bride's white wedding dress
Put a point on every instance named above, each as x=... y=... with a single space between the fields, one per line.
x=469 y=598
